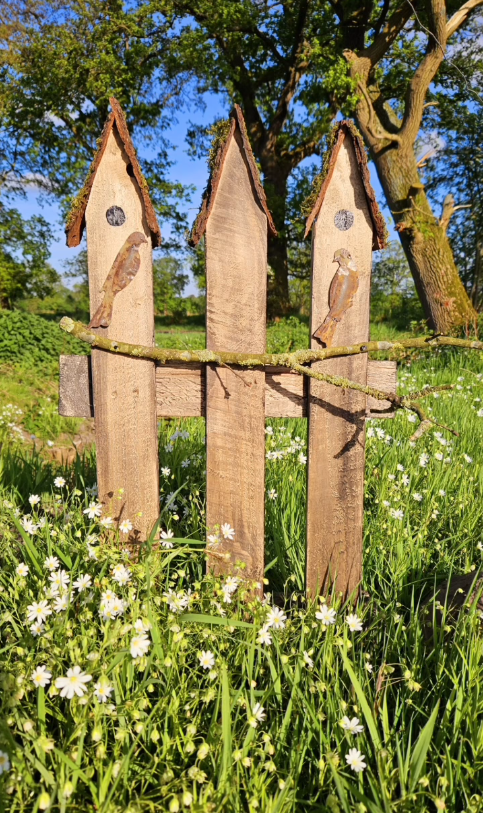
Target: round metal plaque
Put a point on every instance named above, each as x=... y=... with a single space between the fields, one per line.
x=344 y=219
x=115 y=216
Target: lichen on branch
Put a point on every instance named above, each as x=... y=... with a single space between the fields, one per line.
x=295 y=361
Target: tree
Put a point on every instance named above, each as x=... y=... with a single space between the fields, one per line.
x=389 y=112
x=291 y=66
x=24 y=254
x=454 y=170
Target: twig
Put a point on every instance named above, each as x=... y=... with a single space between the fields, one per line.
x=295 y=361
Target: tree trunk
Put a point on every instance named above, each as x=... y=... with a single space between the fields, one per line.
x=425 y=243
x=275 y=184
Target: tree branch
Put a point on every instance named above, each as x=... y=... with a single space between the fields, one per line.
x=295 y=71
x=384 y=39
x=426 y=71
x=460 y=16
x=295 y=361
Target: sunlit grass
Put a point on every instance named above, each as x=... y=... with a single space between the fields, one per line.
x=177 y=736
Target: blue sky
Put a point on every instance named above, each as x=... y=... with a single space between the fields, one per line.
x=185 y=170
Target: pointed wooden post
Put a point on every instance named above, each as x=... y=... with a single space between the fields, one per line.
x=234 y=219
x=113 y=206
x=346 y=225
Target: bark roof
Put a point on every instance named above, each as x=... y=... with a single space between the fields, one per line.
x=342 y=130
x=76 y=219
x=209 y=195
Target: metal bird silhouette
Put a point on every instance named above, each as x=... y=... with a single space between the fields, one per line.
x=123 y=270
x=341 y=294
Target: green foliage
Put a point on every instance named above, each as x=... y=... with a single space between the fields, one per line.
x=32 y=341
x=393 y=296
x=169 y=284
x=24 y=254
x=173 y=735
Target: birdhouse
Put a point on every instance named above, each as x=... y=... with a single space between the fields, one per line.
x=235 y=221
x=115 y=209
x=346 y=226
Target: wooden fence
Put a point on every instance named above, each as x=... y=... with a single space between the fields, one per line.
x=127 y=396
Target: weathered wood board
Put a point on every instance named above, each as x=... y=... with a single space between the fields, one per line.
x=124 y=388
x=180 y=390
x=236 y=278
x=336 y=416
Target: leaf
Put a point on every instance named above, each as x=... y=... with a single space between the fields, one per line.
x=225 y=726
x=29 y=547
x=418 y=756
x=200 y=618
x=366 y=709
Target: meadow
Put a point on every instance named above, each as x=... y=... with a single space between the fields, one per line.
x=132 y=681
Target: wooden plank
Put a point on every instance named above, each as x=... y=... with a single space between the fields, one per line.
x=124 y=388
x=381 y=375
x=336 y=416
x=236 y=277
x=180 y=390
x=75 y=387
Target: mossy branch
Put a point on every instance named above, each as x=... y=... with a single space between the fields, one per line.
x=293 y=361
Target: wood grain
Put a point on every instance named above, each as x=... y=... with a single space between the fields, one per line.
x=75 y=387
x=180 y=390
x=236 y=277
x=336 y=417
x=124 y=388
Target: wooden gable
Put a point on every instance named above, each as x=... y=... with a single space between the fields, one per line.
x=115 y=125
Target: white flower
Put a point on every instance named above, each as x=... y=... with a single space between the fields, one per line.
x=60 y=578
x=405 y=479
x=121 y=574
x=227 y=531
x=176 y=601
x=103 y=691
x=257 y=715
x=141 y=625
x=272 y=494
x=352 y=726
x=140 y=645
x=276 y=618
x=106 y=522
x=354 y=622
x=61 y=603
x=439 y=455
x=22 y=569
x=213 y=539
x=125 y=526
x=442 y=492
x=269 y=430
x=424 y=460
x=302 y=458
x=108 y=595
x=206 y=659
x=468 y=458
x=165 y=471
x=83 y=582
x=41 y=676
x=227 y=594
x=34 y=499
x=92 y=553
x=231 y=584
x=74 y=683
x=29 y=525
x=93 y=510
x=264 y=636
x=51 y=563
x=355 y=760
x=400 y=467
x=59 y=482
x=326 y=615
x=368 y=666
x=185 y=463
x=166 y=536
x=397 y=513
x=480 y=413
x=38 y=611
x=4 y=762
x=37 y=628
x=418 y=497
x=308 y=660
x=112 y=608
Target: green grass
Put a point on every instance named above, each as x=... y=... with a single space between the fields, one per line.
x=175 y=736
